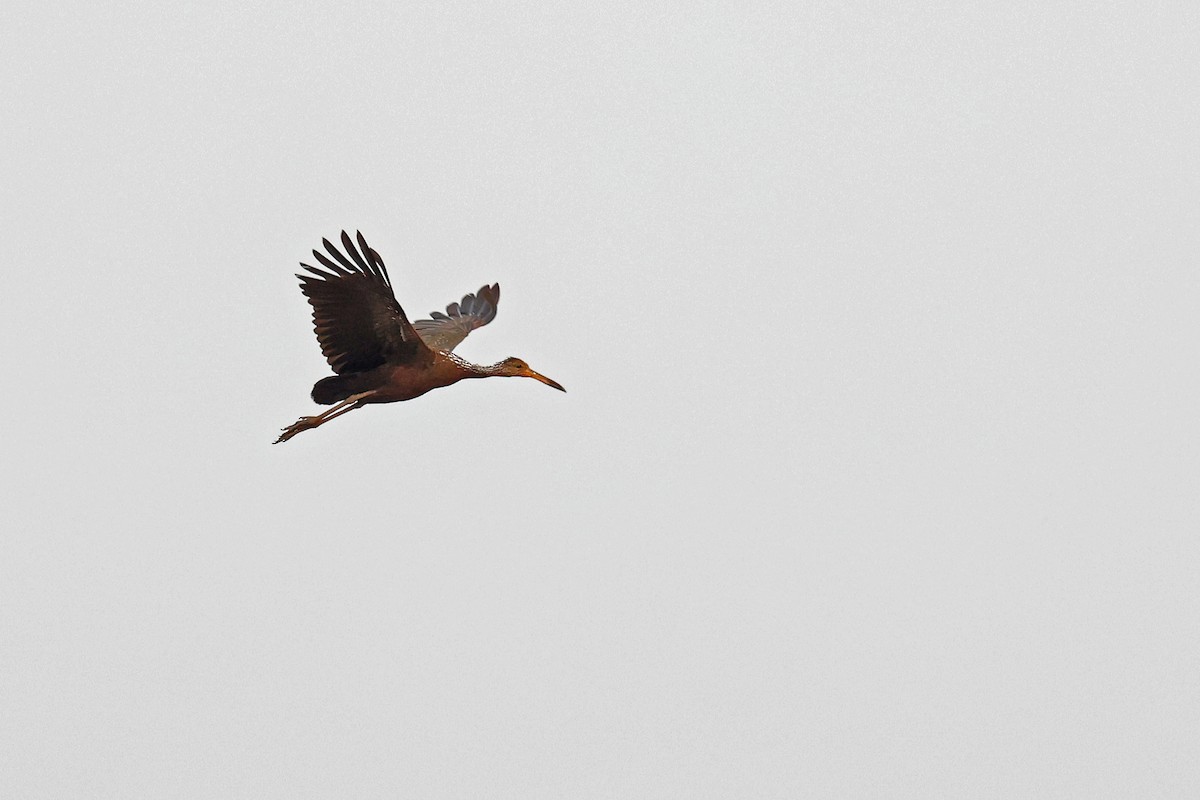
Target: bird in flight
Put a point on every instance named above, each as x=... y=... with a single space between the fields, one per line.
x=377 y=354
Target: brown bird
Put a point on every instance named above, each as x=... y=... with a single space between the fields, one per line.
x=378 y=355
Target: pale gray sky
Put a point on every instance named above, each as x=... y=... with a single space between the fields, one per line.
x=877 y=472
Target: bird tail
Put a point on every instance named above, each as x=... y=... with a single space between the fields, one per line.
x=334 y=389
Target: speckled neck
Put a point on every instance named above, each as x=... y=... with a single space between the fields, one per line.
x=476 y=370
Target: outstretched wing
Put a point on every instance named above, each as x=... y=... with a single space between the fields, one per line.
x=445 y=331
x=358 y=322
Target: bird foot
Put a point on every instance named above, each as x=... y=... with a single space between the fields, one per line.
x=302 y=424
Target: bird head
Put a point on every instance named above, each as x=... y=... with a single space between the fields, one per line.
x=515 y=367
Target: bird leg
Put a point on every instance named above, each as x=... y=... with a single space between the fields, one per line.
x=305 y=423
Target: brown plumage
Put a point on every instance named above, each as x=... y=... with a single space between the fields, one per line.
x=377 y=354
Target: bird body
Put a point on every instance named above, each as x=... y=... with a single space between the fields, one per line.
x=393 y=383
x=377 y=354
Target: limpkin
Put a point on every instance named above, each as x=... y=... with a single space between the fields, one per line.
x=377 y=354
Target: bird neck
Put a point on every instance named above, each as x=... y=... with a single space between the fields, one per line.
x=490 y=370
x=470 y=370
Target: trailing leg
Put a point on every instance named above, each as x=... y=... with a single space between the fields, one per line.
x=305 y=423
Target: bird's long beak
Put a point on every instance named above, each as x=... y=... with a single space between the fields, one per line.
x=537 y=376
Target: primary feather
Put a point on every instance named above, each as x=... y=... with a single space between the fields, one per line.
x=445 y=331
x=359 y=323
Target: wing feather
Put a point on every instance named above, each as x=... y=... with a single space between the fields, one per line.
x=445 y=331
x=359 y=323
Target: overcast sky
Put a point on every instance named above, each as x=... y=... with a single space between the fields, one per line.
x=877 y=471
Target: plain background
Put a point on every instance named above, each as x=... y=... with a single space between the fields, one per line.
x=877 y=472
